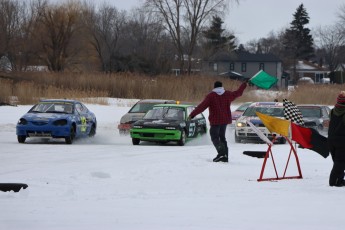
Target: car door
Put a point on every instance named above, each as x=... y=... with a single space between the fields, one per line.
x=195 y=125
x=83 y=120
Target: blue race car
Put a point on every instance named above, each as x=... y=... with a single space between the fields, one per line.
x=54 y=118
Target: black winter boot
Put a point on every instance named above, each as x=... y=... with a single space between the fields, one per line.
x=222 y=153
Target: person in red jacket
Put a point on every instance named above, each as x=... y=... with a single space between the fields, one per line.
x=218 y=101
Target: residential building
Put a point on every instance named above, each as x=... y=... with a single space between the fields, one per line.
x=241 y=64
x=308 y=69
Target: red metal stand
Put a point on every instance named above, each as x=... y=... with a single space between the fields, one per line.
x=269 y=152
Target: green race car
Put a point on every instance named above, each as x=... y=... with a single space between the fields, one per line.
x=168 y=122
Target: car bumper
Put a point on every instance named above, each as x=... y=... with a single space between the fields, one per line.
x=43 y=131
x=124 y=128
x=156 y=134
x=247 y=134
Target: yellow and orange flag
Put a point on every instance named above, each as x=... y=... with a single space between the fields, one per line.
x=275 y=125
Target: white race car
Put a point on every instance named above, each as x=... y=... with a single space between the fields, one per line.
x=243 y=131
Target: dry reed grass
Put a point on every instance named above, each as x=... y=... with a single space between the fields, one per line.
x=96 y=87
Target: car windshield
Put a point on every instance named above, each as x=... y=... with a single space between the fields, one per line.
x=166 y=113
x=271 y=111
x=141 y=107
x=52 y=107
x=310 y=112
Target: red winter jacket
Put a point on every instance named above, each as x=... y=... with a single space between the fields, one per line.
x=219 y=106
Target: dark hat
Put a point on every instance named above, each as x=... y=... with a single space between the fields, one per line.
x=218 y=84
x=341 y=100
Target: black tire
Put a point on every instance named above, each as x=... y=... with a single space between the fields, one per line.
x=92 y=131
x=135 y=141
x=183 y=138
x=69 y=140
x=21 y=139
x=282 y=140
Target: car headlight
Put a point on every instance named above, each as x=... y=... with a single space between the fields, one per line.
x=241 y=124
x=60 y=122
x=137 y=126
x=22 y=121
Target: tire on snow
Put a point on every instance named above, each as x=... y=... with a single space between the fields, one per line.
x=21 y=139
x=135 y=141
x=70 y=138
x=183 y=138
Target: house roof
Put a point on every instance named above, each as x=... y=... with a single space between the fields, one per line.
x=241 y=56
x=340 y=67
x=308 y=66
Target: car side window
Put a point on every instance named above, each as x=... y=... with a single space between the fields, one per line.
x=325 y=112
x=190 y=109
x=79 y=108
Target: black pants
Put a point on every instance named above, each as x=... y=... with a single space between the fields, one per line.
x=337 y=150
x=217 y=133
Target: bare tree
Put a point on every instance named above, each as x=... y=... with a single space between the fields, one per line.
x=105 y=26
x=331 y=39
x=187 y=15
x=12 y=16
x=55 y=27
x=149 y=48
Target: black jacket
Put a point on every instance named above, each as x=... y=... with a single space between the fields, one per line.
x=336 y=130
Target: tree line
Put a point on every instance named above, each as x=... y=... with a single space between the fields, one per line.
x=154 y=38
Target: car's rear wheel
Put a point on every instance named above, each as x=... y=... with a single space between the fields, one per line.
x=70 y=138
x=21 y=139
x=135 y=141
x=183 y=138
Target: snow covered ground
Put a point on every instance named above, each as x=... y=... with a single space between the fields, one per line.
x=107 y=183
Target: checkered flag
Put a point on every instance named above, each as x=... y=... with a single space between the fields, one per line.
x=292 y=113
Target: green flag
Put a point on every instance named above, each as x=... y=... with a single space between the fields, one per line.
x=263 y=80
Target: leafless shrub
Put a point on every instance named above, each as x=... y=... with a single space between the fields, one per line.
x=94 y=88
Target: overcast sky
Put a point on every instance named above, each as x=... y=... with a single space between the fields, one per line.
x=254 y=19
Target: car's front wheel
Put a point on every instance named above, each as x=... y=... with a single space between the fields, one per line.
x=92 y=131
x=70 y=138
x=183 y=138
x=21 y=139
x=135 y=141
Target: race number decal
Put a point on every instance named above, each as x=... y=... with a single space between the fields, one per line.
x=83 y=124
x=191 y=129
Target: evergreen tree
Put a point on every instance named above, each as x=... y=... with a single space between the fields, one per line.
x=215 y=38
x=298 y=41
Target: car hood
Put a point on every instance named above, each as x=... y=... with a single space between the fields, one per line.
x=311 y=118
x=44 y=116
x=252 y=119
x=131 y=117
x=159 y=123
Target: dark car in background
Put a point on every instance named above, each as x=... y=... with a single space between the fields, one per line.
x=137 y=112
x=315 y=116
x=168 y=122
